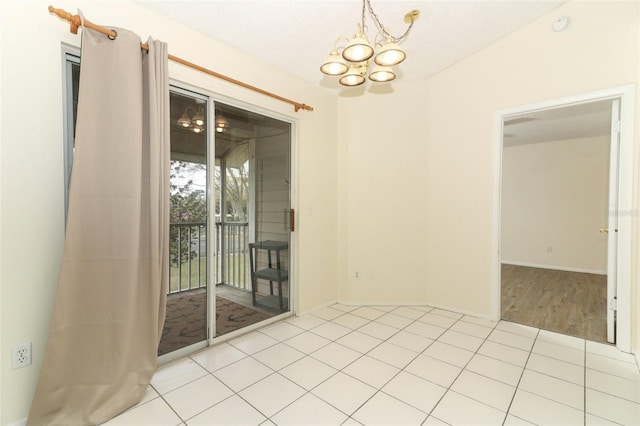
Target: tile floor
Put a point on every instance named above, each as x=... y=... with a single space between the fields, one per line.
x=379 y=365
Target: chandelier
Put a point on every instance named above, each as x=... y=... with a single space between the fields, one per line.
x=194 y=121
x=351 y=61
x=221 y=123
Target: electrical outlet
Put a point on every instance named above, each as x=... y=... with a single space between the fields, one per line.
x=21 y=356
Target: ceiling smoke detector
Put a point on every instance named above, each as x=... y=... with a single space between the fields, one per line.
x=560 y=24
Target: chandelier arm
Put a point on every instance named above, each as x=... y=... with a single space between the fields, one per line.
x=336 y=46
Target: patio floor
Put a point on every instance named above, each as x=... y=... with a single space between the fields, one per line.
x=186 y=318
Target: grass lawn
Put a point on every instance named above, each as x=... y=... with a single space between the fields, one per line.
x=236 y=267
x=179 y=277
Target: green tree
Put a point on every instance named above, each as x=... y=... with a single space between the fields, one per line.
x=188 y=204
x=237 y=192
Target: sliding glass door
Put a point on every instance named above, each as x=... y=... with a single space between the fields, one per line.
x=253 y=173
x=230 y=246
x=186 y=321
x=245 y=256
x=245 y=253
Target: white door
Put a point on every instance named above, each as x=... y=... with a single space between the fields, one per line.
x=612 y=240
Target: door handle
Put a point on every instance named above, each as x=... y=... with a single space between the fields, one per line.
x=289 y=221
x=604 y=230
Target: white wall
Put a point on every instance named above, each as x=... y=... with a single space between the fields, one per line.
x=3 y=358
x=32 y=167
x=554 y=201
x=635 y=315
x=416 y=189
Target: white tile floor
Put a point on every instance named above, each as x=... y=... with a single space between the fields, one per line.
x=382 y=365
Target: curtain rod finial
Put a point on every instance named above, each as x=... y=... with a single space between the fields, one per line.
x=303 y=106
x=74 y=20
x=61 y=13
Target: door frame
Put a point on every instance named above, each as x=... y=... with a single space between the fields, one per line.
x=216 y=97
x=612 y=220
x=186 y=89
x=211 y=98
x=626 y=94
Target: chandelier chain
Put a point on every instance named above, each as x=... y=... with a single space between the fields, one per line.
x=382 y=28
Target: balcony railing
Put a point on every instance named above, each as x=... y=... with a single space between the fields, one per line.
x=188 y=255
x=232 y=247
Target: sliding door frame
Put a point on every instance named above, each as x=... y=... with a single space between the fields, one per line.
x=72 y=54
x=293 y=175
x=185 y=89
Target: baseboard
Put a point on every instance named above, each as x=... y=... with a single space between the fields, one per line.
x=410 y=304
x=462 y=311
x=315 y=308
x=555 y=267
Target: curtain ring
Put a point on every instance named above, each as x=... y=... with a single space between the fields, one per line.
x=114 y=36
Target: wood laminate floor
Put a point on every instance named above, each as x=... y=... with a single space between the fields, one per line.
x=571 y=303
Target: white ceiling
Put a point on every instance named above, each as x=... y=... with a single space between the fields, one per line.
x=562 y=123
x=297 y=35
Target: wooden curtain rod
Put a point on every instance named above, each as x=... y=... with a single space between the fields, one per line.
x=76 y=22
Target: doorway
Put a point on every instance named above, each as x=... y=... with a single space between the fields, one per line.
x=252 y=208
x=558 y=195
x=229 y=183
x=186 y=320
x=230 y=188
x=555 y=174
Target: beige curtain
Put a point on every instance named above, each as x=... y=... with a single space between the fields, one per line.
x=110 y=305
